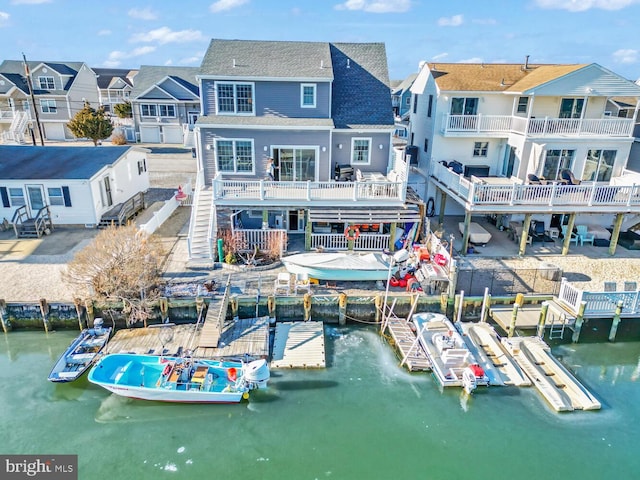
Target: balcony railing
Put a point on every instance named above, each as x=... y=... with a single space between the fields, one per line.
x=6 y=115
x=337 y=241
x=318 y=192
x=536 y=127
x=599 y=303
x=480 y=193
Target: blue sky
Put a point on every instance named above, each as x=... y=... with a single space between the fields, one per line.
x=128 y=34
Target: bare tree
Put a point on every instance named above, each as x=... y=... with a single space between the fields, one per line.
x=120 y=264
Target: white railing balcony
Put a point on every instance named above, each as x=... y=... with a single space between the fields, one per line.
x=337 y=241
x=511 y=195
x=329 y=193
x=7 y=115
x=501 y=125
x=246 y=239
x=599 y=303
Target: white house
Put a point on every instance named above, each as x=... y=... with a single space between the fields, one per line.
x=523 y=142
x=78 y=184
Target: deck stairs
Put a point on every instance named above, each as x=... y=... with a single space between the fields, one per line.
x=202 y=226
x=18 y=126
x=121 y=213
x=25 y=226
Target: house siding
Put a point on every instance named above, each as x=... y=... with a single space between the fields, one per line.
x=379 y=157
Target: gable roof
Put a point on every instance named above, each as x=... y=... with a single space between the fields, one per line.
x=271 y=59
x=150 y=76
x=14 y=69
x=60 y=163
x=360 y=97
x=106 y=76
x=404 y=85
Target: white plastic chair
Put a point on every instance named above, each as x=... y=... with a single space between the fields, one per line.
x=302 y=282
x=283 y=282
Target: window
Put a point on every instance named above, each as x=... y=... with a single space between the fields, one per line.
x=415 y=103
x=599 y=165
x=142 y=166
x=555 y=161
x=46 y=83
x=48 y=106
x=308 y=95
x=151 y=110
x=464 y=106
x=360 y=150
x=55 y=196
x=571 y=107
x=148 y=110
x=234 y=156
x=235 y=98
x=480 y=149
x=16 y=196
x=426 y=145
x=429 y=106
x=523 y=103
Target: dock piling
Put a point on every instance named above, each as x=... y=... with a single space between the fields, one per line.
x=579 y=321
x=44 y=311
x=514 y=318
x=616 y=322
x=543 y=319
x=342 y=309
x=4 y=319
x=78 y=304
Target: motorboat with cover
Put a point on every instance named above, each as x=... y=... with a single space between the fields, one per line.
x=340 y=266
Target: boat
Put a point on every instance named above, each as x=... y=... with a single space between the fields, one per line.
x=340 y=266
x=81 y=353
x=452 y=363
x=178 y=379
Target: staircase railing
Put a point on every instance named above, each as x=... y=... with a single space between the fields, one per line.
x=19 y=217
x=194 y=207
x=42 y=221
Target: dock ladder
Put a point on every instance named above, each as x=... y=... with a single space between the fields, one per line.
x=556 y=329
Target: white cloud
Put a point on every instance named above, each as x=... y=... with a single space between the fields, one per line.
x=471 y=60
x=454 y=21
x=164 y=35
x=142 y=13
x=4 y=18
x=103 y=33
x=376 y=6
x=582 y=5
x=439 y=56
x=224 y=5
x=116 y=57
x=626 y=55
x=196 y=59
x=30 y=2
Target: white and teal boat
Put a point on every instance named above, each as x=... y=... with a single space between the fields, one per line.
x=179 y=379
x=340 y=266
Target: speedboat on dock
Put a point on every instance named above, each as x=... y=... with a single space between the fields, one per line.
x=179 y=379
x=81 y=353
x=452 y=362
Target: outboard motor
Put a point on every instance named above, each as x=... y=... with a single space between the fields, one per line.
x=256 y=374
x=97 y=324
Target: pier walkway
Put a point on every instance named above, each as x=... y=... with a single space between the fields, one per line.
x=406 y=344
x=298 y=345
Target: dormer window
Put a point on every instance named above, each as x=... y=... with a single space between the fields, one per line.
x=234 y=98
x=308 y=95
x=46 y=83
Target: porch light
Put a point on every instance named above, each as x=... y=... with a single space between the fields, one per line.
x=265 y=148
x=340 y=146
x=324 y=149
x=381 y=146
x=208 y=147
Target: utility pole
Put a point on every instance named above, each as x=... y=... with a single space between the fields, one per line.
x=33 y=100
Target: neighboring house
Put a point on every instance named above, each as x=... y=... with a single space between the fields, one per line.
x=322 y=112
x=79 y=184
x=60 y=90
x=503 y=125
x=401 y=97
x=166 y=104
x=114 y=86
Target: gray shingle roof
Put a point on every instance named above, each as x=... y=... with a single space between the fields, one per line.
x=267 y=59
x=44 y=163
x=149 y=75
x=361 y=95
x=15 y=68
x=263 y=121
x=106 y=75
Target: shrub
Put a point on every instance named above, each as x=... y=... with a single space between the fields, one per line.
x=118 y=139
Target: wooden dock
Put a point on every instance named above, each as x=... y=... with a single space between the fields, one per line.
x=161 y=340
x=299 y=345
x=407 y=345
x=240 y=337
x=529 y=316
x=214 y=320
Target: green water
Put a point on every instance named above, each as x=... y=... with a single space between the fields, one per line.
x=361 y=418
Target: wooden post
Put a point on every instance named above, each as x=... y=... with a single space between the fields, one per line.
x=486 y=304
x=567 y=238
x=88 y=305
x=306 y=302
x=444 y=303
x=514 y=318
x=164 y=308
x=615 y=234
x=543 y=319
x=465 y=235
x=443 y=203
x=79 y=308
x=307 y=235
x=342 y=309
x=271 y=305
x=579 y=321
x=234 y=306
x=616 y=322
x=378 y=301
x=4 y=319
x=526 y=224
x=44 y=311
x=392 y=236
x=456 y=306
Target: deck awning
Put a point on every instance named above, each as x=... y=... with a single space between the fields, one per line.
x=365 y=215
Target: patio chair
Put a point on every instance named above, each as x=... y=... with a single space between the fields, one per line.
x=302 y=283
x=610 y=286
x=283 y=282
x=535 y=180
x=574 y=236
x=630 y=286
x=567 y=176
x=537 y=230
x=584 y=235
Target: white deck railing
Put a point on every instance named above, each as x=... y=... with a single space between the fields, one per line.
x=235 y=190
x=337 y=241
x=599 y=303
x=536 y=127
x=590 y=194
x=247 y=239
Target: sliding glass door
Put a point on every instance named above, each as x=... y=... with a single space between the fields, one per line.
x=296 y=164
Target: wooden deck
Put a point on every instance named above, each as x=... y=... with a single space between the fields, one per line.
x=529 y=316
x=166 y=340
x=299 y=345
x=405 y=341
x=239 y=337
x=214 y=320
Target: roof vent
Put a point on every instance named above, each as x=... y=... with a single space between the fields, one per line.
x=526 y=62
x=321 y=63
x=234 y=63
x=502 y=84
x=348 y=63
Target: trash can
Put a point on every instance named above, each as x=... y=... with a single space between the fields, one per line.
x=550 y=271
